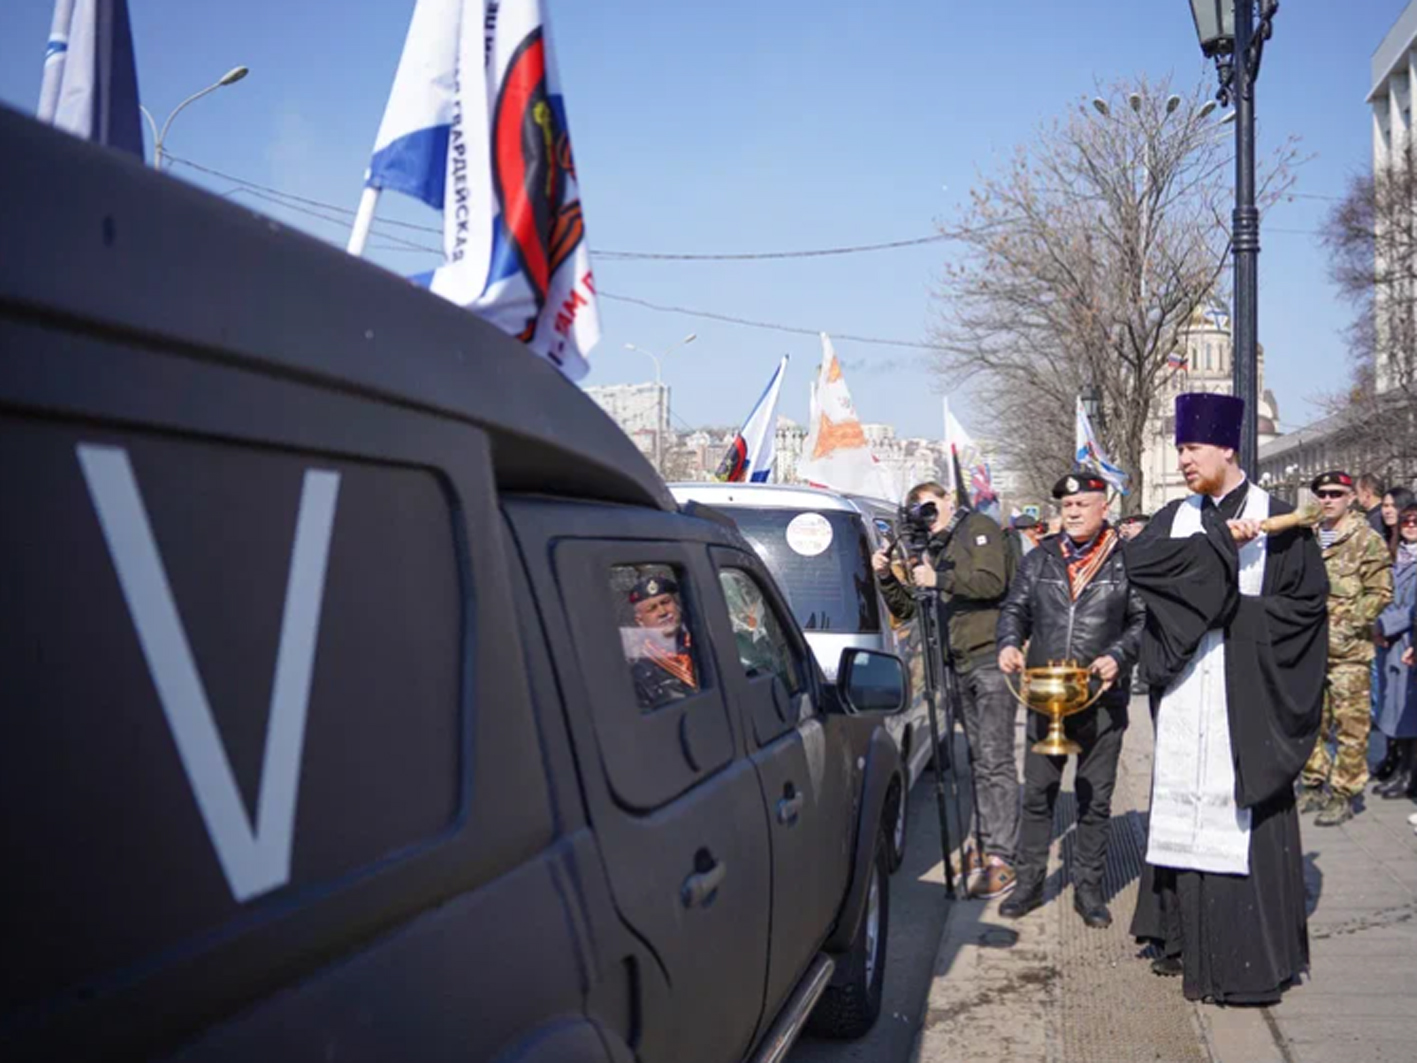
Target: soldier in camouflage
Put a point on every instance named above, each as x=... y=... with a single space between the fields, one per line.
x=1360 y=587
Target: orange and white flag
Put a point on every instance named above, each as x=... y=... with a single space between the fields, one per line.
x=836 y=453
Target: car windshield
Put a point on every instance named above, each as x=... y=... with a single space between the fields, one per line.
x=822 y=562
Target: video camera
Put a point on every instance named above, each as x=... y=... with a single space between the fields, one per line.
x=914 y=526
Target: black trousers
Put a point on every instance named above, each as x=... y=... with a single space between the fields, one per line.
x=1099 y=731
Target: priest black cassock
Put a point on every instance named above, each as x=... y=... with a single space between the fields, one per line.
x=1235 y=648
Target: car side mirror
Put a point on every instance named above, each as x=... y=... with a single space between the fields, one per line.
x=870 y=681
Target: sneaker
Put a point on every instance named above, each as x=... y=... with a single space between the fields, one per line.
x=1311 y=799
x=1412 y=819
x=970 y=862
x=1337 y=809
x=998 y=879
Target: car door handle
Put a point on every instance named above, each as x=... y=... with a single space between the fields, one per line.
x=701 y=887
x=789 y=808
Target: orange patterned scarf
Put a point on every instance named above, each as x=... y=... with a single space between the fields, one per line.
x=1083 y=562
x=679 y=665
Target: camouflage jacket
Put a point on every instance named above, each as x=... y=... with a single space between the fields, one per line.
x=1359 y=588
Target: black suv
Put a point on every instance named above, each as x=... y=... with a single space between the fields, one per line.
x=332 y=729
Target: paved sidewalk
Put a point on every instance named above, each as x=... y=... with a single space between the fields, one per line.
x=1046 y=988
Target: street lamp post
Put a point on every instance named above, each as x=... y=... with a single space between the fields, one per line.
x=1228 y=33
x=1091 y=396
x=661 y=414
x=231 y=77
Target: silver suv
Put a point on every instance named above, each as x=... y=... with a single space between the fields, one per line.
x=818 y=546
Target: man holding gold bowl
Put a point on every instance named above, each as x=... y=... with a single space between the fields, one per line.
x=1071 y=602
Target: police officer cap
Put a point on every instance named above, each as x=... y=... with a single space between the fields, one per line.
x=1079 y=482
x=652 y=587
x=1336 y=478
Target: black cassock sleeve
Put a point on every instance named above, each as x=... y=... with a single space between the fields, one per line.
x=1276 y=655
x=1276 y=644
x=1189 y=586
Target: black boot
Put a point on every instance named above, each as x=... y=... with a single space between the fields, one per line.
x=1025 y=897
x=1092 y=908
x=1167 y=966
x=1388 y=765
x=1401 y=779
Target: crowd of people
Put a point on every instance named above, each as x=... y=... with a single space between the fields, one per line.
x=1269 y=645
x=1268 y=651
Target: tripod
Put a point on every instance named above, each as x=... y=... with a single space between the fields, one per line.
x=938 y=654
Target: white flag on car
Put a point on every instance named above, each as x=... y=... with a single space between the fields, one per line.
x=836 y=453
x=476 y=127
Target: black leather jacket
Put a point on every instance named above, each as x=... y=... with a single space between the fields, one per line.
x=1107 y=618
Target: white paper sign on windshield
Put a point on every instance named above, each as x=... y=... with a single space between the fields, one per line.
x=809 y=534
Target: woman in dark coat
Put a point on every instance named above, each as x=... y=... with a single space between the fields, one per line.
x=1397 y=704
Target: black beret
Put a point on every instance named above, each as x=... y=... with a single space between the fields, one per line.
x=652 y=587
x=1336 y=478
x=1079 y=482
x=1135 y=518
x=1026 y=520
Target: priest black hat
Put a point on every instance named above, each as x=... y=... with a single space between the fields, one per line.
x=1205 y=418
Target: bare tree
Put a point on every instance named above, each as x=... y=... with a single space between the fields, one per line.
x=1371 y=236
x=1084 y=261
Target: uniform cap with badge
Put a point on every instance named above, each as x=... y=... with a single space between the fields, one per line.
x=652 y=587
x=1079 y=482
x=1333 y=478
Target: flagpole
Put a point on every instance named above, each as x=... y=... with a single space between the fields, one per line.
x=363 y=220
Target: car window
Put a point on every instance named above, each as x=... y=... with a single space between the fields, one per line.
x=763 y=646
x=822 y=562
x=656 y=633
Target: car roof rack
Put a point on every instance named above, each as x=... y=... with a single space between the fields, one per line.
x=97 y=242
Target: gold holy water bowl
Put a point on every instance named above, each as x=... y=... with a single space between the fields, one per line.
x=1057 y=691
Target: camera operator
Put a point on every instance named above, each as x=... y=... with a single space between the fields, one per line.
x=965 y=560
x=1072 y=602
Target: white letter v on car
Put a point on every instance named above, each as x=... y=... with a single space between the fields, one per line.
x=255 y=861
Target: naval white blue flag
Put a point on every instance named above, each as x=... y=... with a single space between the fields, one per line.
x=1090 y=454
x=90 y=85
x=750 y=455
x=476 y=127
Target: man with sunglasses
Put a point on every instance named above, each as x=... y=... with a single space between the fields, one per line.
x=1360 y=587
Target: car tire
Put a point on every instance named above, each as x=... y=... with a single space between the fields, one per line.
x=897 y=815
x=849 y=1008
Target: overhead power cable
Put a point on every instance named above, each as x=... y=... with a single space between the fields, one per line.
x=769 y=325
x=751 y=256
x=267 y=192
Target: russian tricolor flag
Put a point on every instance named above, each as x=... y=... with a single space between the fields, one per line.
x=750 y=455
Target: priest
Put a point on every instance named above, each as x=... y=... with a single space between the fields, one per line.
x=1234 y=653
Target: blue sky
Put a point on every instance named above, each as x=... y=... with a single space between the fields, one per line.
x=742 y=126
